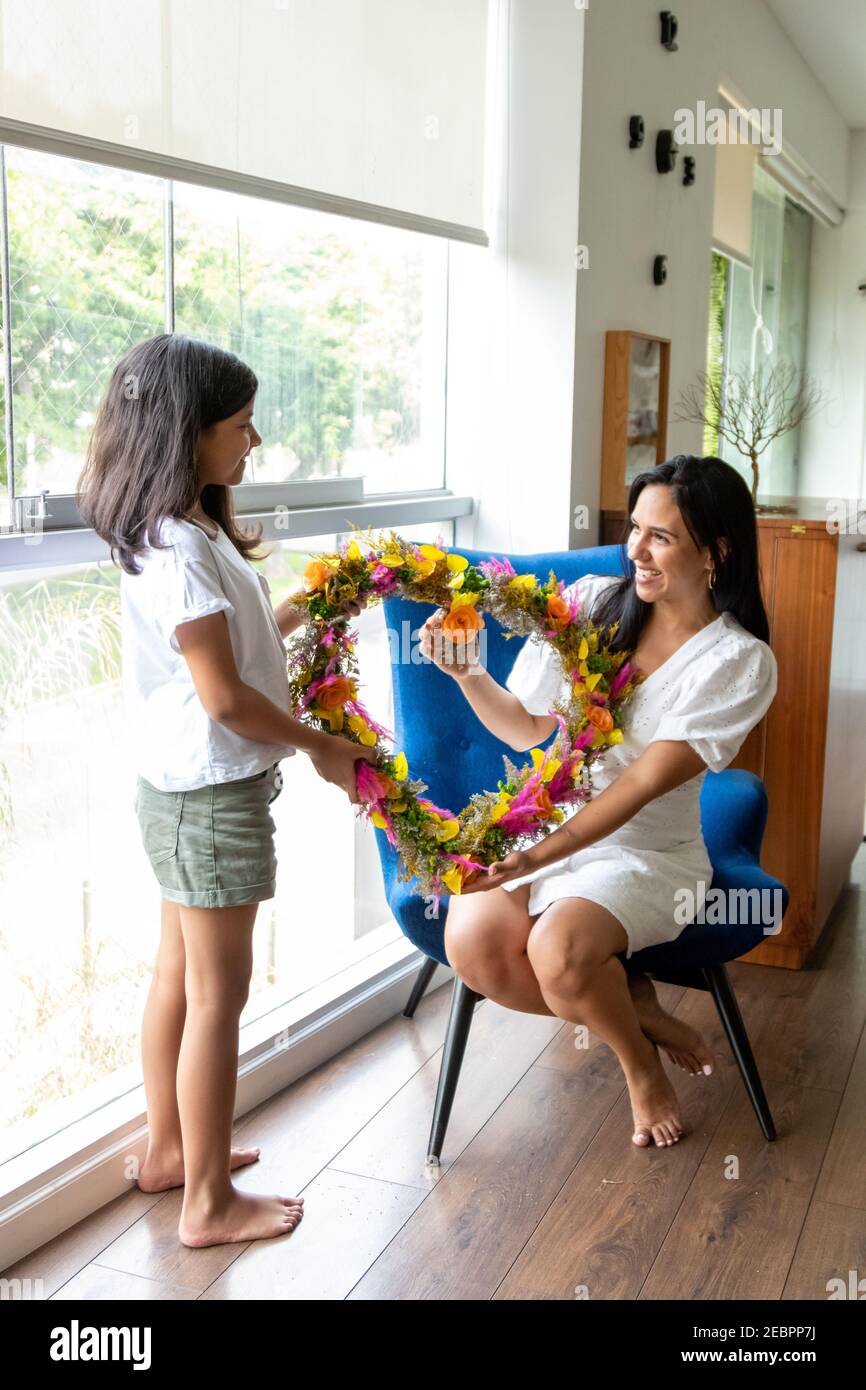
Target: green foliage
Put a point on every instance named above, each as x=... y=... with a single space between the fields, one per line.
x=330 y=323
x=715 y=350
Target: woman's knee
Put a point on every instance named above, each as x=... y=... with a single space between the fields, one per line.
x=563 y=958
x=478 y=949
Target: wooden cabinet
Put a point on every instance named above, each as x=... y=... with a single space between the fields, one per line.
x=810 y=748
x=634 y=427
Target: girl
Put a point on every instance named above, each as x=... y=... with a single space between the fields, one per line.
x=206 y=685
x=545 y=929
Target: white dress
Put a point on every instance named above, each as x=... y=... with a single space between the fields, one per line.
x=712 y=692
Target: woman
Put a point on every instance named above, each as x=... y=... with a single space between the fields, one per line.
x=542 y=930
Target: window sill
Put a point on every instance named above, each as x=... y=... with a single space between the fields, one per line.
x=80 y=545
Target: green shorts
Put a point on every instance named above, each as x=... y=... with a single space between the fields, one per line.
x=214 y=846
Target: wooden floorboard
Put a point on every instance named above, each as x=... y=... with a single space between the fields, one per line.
x=540 y=1194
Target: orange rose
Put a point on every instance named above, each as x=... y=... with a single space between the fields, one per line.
x=315 y=575
x=601 y=718
x=558 y=611
x=545 y=805
x=462 y=621
x=335 y=695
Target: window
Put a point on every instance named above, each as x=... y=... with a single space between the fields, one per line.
x=78 y=899
x=343 y=322
x=758 y=317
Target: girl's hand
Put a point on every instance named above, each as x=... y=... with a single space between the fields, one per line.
x=514 y=865
x=352 y=607
x=334 y=760
x=457 y=656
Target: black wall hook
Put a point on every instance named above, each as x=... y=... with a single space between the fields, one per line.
x=666 y=151
x=670 y=26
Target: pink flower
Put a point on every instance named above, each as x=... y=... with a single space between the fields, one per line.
x=490 y=568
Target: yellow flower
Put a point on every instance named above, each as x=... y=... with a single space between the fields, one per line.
x=456 y=583
x=615 y=736
x=583 y=649
x=395 y=561
x=356 y=723
x=552 y=767
x=447 y=829
x=593 y=680
x=397 y=805
x=379 y=820
x=401 y=767
x=459 y=599
x=453 y=878
x=457 y=562
x=368 y=738
x=353 y=551
x=522 y=581
x=431 y=553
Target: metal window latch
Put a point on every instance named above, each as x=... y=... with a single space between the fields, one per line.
x=31 y=509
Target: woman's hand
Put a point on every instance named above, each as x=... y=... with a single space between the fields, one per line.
x=457 y=656
x=334 y=760
x=514 y=865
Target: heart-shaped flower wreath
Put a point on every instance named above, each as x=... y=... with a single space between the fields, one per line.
x=444 y=851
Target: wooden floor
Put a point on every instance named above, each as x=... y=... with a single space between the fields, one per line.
x=541 y=1194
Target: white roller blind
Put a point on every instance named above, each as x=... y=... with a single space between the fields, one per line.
x=732 y=206
x=374 y=104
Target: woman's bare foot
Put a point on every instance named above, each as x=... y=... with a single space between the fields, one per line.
x=240 y=1216
x=654 y=1105
x=680 y=1042
x=162 y=1171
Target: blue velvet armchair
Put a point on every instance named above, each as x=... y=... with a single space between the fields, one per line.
x=432 y=720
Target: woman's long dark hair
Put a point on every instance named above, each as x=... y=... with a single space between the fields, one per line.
x=715 y=503
x=140 y=461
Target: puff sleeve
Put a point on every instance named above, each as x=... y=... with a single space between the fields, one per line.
x=721 y=700
x=185 y=585
x=536 y=677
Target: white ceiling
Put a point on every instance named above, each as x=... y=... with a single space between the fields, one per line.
x=831 y=37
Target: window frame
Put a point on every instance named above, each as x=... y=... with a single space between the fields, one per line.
x=305 y=499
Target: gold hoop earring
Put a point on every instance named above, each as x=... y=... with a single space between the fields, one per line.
x=712 y=578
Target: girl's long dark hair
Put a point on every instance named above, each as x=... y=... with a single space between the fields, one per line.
x=140 y=460
x=715 y=502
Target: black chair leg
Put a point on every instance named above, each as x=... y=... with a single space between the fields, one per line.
x=720 y=987
x=422 y=980
x=463 y=1001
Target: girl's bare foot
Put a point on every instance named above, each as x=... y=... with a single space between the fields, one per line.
x=239 y=1216
x=681 y=1043
x=162 y=1171
x=654 y=1105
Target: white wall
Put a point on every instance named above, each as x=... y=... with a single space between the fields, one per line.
x=526 y=343
x=512 y=307
x=834 y=440
x=629 y=212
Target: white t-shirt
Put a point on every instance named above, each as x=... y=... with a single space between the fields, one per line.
x=711 y=693
x=178 y=746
